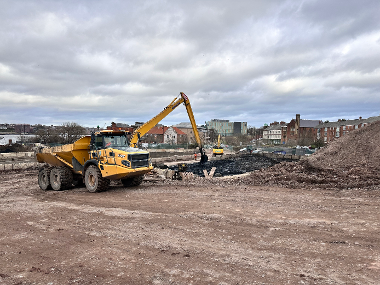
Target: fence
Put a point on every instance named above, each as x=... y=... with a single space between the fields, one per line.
x=7 y=155
x=16 y=166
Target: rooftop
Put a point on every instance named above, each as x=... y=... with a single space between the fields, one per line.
x=348 y=122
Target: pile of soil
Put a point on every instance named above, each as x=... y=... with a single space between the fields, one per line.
x=13 y=148
x=352 y=161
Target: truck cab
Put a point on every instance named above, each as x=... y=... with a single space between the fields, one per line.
x=111 y=152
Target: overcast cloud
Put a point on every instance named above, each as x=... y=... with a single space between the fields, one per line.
x=94 y=62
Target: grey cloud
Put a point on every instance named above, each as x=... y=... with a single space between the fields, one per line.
x=259 y=60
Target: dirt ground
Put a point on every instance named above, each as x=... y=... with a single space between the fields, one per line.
x=187 y=232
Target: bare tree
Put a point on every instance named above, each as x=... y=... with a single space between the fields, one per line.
x=48 y=134
x=70 y=132
x=213 y=135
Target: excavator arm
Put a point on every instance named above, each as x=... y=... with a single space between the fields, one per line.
x=182 y=98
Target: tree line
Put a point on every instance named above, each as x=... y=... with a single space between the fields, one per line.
x=66 y=133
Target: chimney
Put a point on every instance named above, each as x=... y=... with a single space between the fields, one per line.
x=298 y=118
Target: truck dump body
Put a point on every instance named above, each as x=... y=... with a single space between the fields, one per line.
x=63 y=155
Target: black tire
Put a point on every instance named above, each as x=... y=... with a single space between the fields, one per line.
x=44 y=178
x=132 y=181
x=61 y=178
x=94 y=180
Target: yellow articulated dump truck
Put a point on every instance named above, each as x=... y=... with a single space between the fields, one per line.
x=94 y=160
x=104 y=156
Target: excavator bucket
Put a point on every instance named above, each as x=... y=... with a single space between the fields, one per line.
x=204 y=157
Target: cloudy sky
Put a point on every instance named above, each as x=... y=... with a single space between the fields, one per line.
x=94 y=62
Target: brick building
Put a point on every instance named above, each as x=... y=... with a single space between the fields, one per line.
x=22 y=129
x=327 y=132
x=300 y=132
x=120 y=127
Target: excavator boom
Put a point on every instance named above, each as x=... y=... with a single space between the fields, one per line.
x=182 y=98
x=192 y=120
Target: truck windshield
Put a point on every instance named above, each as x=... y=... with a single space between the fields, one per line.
x=115 y=141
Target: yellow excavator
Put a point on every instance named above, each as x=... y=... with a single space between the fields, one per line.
x=218 y=149
x=104 y=156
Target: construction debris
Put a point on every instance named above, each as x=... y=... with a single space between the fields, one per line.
x=238 y=164
x=187 y=175
x=211 y=175
x=352 y=161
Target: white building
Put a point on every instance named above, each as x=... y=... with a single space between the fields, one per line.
x=272 y=134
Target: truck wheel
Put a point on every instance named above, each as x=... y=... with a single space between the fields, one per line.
x=61 y=178
x=44 y=178
x=132 y=181
x=94 y=180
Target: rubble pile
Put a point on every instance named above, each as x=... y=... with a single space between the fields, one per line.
x=232 y=166
x=350 y=162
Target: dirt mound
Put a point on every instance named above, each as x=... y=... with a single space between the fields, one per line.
x=352 y=161
x=358 y=149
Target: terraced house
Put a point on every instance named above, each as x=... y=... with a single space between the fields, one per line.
x=331 y=130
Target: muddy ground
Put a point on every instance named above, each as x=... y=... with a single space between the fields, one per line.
x=187 y=232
